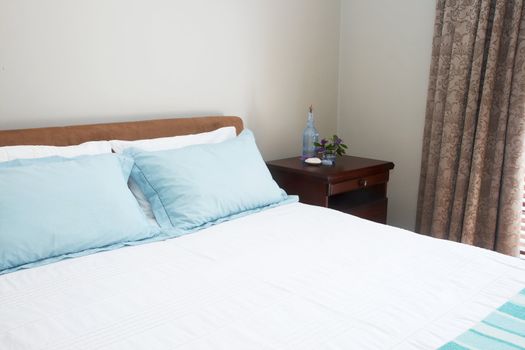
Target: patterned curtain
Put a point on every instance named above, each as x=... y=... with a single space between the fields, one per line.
x=473 y=150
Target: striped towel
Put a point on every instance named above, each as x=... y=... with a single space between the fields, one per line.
x=503 y=329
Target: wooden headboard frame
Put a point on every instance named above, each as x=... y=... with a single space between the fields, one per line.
x=73 y=135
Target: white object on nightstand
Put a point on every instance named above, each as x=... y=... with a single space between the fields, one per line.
x=313 y=161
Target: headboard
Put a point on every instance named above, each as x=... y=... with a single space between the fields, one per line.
x=73 y=135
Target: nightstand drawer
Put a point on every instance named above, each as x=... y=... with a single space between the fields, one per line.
x=358 y=183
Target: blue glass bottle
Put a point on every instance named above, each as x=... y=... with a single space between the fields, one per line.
x=310 y=135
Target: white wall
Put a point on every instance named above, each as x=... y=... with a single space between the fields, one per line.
x=384 y=68
x=83 y=61
x=77 y=61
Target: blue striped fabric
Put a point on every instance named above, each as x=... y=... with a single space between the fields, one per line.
x=503 y=329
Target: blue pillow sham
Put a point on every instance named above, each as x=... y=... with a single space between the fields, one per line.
x=53 y=208
x=196 y=186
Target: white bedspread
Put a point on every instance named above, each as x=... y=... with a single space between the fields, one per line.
x=292 y=277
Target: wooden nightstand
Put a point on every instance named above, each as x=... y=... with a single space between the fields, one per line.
x=353 y=185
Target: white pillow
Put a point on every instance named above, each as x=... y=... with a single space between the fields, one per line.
x=165 y=143
x=173 y=142
x=8 y=153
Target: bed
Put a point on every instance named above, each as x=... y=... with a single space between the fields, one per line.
x=291 y=276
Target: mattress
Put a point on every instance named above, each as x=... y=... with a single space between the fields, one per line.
x=291 y=277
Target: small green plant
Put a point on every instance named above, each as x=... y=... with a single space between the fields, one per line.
x=333 y=146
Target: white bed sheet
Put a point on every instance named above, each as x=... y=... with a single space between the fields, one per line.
x=291 y=277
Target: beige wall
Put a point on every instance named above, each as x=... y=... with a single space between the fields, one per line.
x=78 y=61
x=384 y=67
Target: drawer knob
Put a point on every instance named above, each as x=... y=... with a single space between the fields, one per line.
x=363 y=183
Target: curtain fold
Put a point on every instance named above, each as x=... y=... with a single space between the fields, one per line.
x=472 y=170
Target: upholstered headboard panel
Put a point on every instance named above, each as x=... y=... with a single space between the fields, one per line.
x=72 y=135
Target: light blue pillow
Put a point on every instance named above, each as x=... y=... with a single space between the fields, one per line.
x=195 y=186
x=53 y=208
